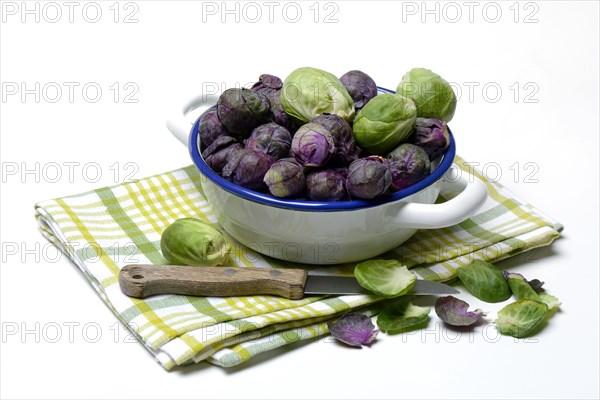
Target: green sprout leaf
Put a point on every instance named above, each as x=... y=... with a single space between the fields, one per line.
x=484 y=281
x=519 y=319
x=551 y=301
x=522 y=289
x=402 y=316
x=387 y=278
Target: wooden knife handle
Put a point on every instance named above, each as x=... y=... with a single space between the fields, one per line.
x=143 y=280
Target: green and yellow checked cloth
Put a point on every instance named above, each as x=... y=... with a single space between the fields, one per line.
x=105 y=229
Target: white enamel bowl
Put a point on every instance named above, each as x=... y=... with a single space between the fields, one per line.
x=331 y=232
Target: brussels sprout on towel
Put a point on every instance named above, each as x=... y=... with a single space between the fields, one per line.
x=191 y=241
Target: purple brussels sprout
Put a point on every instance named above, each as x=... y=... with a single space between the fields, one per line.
x=432 y=136
x=210 y=128
x=313 y=145
x=409 y=164
x=270 y=86
x=249 y=169
x=455 y=312
x=218 y=144
x=368 y=177
x=270 y=139
x=327 y=185
x=285 y=178
x=219 y=159
x=220 y=152
x=234 y=159
x=346 y=149
x=242 y=110
x=360 y=86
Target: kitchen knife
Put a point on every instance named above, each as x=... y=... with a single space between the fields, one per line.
x=143 y=280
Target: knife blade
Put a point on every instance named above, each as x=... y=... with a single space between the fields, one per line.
x=143 y=280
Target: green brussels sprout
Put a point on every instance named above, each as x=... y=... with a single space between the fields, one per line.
x=433 y=96
x=308 y=92
x=384 y=122
x=191 y=241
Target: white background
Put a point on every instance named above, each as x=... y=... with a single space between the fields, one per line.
x=549 y=50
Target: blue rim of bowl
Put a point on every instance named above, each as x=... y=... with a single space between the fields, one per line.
x=310 y=205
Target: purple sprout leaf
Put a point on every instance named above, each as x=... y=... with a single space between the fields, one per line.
x=536 y=285
x=455 y=312
x=353 y=329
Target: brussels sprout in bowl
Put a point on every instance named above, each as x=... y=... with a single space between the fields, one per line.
x=333 y=232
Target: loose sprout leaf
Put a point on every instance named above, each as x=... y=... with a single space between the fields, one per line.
x=520 y=318
x=551 y=301
x=535 y=284
x=484 y=281
x=387 y=278
x=522 y=290
x=508 y=274
x=354 y=329
x=455 y=312
x=402 y=316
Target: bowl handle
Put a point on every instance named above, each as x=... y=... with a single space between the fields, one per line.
x=473 y=194
x=179 y=124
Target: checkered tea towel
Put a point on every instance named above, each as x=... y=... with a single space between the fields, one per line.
x=105 y=229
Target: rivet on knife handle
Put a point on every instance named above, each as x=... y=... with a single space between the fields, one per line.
x=143 y=280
